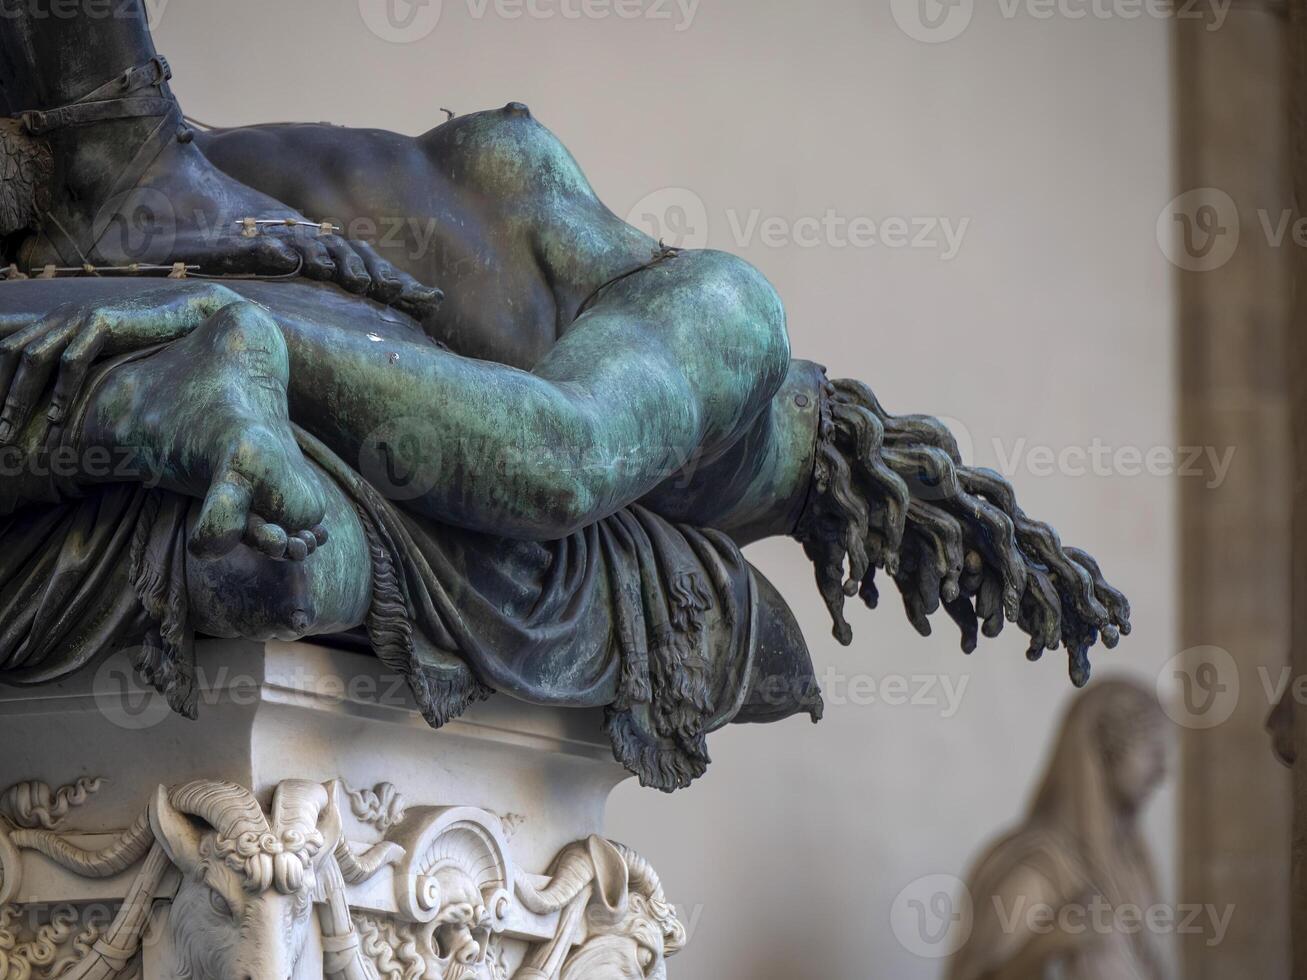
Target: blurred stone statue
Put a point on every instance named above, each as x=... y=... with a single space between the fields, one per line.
x=1066 y=895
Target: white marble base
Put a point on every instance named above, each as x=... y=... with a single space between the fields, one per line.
x=424 y=853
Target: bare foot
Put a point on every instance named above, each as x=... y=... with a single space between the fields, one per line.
x=209 y=414
x=183 y=209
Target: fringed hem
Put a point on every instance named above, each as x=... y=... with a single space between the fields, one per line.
x=443 y=696
x=658 y=765
x=157 y=568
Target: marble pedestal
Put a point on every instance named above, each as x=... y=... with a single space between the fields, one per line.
x=311 y=824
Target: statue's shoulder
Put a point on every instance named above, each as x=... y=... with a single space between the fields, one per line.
x=505 y=152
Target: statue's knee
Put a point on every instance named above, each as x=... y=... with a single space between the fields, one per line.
x=245 y=327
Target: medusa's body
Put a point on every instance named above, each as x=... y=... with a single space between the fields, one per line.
x=574 y=446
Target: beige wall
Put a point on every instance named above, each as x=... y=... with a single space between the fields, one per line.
x=1050 y=327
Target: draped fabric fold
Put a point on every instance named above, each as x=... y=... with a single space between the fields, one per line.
x=654 y=622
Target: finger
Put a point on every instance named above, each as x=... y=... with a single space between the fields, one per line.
x=74 y=366
x=351 y=271
x=13 y=346
x=387 y=281
x=35 y=366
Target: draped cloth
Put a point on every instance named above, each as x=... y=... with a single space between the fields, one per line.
x=655 y=622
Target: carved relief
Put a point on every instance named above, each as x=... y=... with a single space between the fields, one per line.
x=250 y=882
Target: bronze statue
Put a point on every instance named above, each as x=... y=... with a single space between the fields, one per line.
x=537 y=482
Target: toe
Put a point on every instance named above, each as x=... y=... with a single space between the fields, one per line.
x=296 y=549
x=223 y=518
x=351 y=272
x=317 y=260
x=270 y=539
x=419 y=301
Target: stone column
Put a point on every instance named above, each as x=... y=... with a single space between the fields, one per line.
x=1234 y=313
x=1297 y=78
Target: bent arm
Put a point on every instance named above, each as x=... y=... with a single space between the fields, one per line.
x=757 y=488
x=677 y=359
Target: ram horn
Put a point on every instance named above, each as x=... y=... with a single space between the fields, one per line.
x=590 y=862
x=303 y=814
x=105 y=862
x=231 y=810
